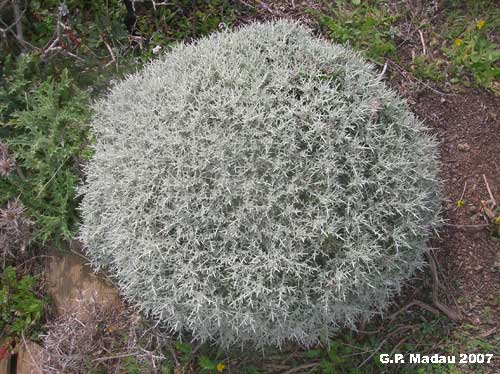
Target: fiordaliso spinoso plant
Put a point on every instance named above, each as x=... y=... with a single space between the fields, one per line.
x=258 y=186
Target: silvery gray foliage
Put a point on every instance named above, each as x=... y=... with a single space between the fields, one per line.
x=258 y=186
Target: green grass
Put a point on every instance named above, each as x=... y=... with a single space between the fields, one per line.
x=471 y=46
x=427 y=68
x=367 y=26
x=462 y=44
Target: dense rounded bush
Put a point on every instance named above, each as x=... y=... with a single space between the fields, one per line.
x=258 y=186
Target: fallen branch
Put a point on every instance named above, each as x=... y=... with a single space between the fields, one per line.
x=450 y=313
x=302 y=367
x=438 y=307
x=417 y=303
x=398 y=344
x=373 y=353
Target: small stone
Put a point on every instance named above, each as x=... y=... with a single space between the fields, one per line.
x=464 y=147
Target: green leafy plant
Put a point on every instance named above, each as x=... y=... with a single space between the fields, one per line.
x=185 y=351
x=427 y=68
x=495 y=226
x=474 y=53
x=210 y=366
x=20 y=308
x=365 y=26
x=132 y=366
x=18 y=76
x=45 y=130
x=207 y=364
x=274 y=190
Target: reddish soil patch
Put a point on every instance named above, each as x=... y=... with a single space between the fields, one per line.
x=468 y=126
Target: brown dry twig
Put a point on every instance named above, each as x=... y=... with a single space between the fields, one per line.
x=56 y=43
x=488 y=332
x=412 y=303
x=264 y=6
x=110 y=50
x=388 y=336
x=463 y=191
x=489 y=191
x=422 y=24
x=382 y=73
x=258 y=4
x=450 y=313
x=439 y=307
x=373 y=353
x=424 y=51
x=479 y=226
x=299 y=368
x=18 y=15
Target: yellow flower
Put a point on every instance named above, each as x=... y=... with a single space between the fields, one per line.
x=497 y=220
x=458 y=42
x=220 y=367
x=460 y=203
x=480 y=24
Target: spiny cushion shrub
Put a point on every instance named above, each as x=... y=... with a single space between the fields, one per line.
x=258 y=186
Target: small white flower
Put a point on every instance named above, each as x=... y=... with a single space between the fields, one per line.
x=156 y=49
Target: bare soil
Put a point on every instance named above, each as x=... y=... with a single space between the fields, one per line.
x=468 y=126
